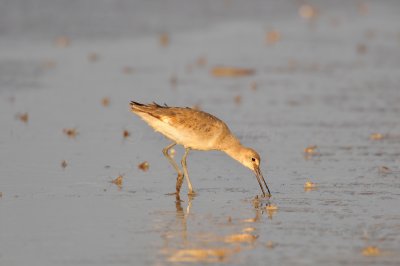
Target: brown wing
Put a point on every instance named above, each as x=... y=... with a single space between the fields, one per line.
x=194 y=122
x=180 y=116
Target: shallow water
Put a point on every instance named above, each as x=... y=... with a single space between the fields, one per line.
x=312 y=88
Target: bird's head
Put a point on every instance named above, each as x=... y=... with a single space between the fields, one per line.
x=250 y=158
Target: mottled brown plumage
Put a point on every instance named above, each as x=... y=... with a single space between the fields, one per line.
x=196 y=130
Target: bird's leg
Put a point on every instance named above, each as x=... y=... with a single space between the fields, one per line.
x=185 y=171
x=179 y=178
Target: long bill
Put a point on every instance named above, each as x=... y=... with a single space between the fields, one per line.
x=259 y=178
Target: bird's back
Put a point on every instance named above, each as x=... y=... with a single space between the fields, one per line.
x=186 y=126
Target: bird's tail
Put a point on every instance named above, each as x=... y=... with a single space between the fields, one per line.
x=135 y=106
x=140 y=107
x=152 y=109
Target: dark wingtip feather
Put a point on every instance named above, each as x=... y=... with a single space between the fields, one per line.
x=156 y=104
x=140 y=106
x=133 y=103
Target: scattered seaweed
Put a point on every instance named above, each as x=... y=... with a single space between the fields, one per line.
x=377 y=136
x=126 y=134
x=308 y=12
x=70 y=132
x=270 y=245
x=384 y=170
x=164 y=39
x=144 y=166
x=238 y=99
x=118 y=181
x=309 y=186
x=93 y=57
x=24 y=117
x=310 y=150
x=363 y=8
x=201 y=61
x=62 y=42
x=361 y=48
x=222 y=71
x=105 y=101
x=371 y=251
x=253 y=86
x=273 y=37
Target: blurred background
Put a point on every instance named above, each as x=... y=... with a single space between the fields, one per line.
x=313 y=86
x=41 y=19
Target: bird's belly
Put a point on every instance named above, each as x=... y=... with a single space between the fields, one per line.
x=189 y=138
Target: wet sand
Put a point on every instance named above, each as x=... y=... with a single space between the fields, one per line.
x=329 y=81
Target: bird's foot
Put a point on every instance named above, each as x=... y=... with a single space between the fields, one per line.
x=267 y=196
x=192 y=193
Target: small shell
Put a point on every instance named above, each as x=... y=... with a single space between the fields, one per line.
x=307 y=11
x=231 y=72
x=376 y=136
x=105 y=101
x=24 y=117
x=310 y=149
x=62 y=42
x=273 y=37
x=384 y=170
x=144 y=166
x=310 y=184
x=70 y=132
x=93 y=57
x=118 y=181
x=164 y=40
x=371 y=251
x=126 y=134
x=201 y=61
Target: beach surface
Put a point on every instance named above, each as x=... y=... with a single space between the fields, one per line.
x=291 y=76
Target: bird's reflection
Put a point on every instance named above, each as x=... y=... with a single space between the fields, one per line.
x=183 y=245
x=262 y=205
x=182 y=216
x=175 y=233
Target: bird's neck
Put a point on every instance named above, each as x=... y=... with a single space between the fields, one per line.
x=235 y=151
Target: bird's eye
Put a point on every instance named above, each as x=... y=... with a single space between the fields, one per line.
x=253 y=159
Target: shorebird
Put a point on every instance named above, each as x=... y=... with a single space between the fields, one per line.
x=196 y=130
